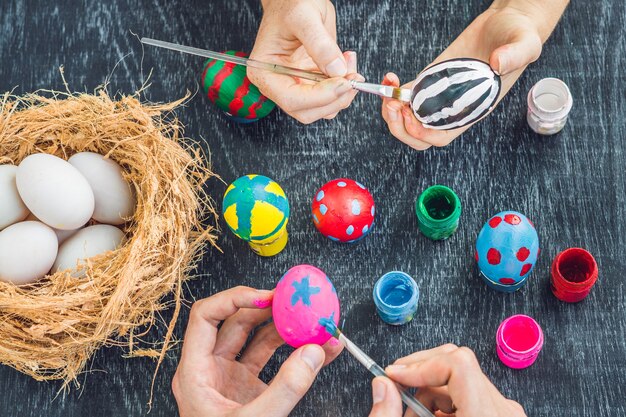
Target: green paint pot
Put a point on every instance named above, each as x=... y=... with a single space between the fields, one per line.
x=438 y=210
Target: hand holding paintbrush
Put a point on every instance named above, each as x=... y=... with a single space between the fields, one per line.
x=374 y=368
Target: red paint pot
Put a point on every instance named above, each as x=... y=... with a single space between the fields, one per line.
x=519 y=340
x=574 y=271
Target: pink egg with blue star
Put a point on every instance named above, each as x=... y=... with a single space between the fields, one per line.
x=303 y=296
x=343 y=210
x=507 y=248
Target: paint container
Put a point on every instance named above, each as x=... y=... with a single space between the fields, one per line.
x=519 y=340
x=438 y=210
x=396 y=295
x=549 y=103
x=574 y=272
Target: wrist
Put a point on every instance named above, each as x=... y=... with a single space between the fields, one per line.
x=543 y=15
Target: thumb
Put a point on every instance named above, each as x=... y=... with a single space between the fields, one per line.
x=386 y=398
x=320 y=44
x=292 y=381
x=516 y=55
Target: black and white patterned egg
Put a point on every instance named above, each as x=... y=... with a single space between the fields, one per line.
x=454 y=93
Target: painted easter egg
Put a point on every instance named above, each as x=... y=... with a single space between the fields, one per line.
x=255 y=208
x=228 y=86
x=454 y=93
x=507 y=248
x=303 y=296
x=343 y=210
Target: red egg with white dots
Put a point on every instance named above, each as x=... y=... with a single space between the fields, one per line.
x=507 y=248
x=343 y=210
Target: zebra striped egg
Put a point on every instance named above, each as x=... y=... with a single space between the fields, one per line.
x=454 y=93
x=343 y=210
x=229 y=88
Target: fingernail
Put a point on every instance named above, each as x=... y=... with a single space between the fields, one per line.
x=343 y=88
x=394 y=368
x=337 y=68
x=261 y=303
x=503 y=63
x=379 y=389
x=313 y=356
x=353 y=59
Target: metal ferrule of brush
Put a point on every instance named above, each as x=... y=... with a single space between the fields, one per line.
x=402 y=94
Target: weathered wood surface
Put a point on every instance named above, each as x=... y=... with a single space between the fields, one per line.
x=572 y=186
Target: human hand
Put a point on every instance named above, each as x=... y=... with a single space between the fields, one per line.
x=449 y=381
x=303 y=34
x=214 y=379
x=506 y=36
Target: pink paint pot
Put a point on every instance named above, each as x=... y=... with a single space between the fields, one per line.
x=519 y=340
x=574 y=272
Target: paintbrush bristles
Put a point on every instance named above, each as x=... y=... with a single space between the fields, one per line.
x=330 y=326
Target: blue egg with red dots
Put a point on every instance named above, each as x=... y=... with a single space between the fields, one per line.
x=507 y=248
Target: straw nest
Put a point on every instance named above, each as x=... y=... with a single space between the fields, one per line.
x=50 y=329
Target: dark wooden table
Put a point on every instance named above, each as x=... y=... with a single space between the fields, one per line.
x=572 y=186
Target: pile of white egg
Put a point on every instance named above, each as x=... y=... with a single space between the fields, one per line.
x=45 y=203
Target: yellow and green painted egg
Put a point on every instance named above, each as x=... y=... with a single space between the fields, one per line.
x=256 y=209
x=228 y=87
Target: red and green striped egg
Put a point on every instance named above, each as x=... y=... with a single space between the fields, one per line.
x=229 y=88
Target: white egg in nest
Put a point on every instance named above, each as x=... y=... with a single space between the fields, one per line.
x=27 y=252
x=62 y=235
x=54 y=191
x=87 y=243
x=114 y=198
x=12 y=208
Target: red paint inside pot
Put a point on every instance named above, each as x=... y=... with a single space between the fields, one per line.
x=574 y=272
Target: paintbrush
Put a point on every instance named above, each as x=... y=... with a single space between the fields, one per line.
x=398 y=93
x=374 y=368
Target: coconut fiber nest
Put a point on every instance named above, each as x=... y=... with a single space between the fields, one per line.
x=50 y=329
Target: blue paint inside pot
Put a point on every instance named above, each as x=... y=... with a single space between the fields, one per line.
x=396 y=295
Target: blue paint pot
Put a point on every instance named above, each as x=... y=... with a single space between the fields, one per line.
x=396 y=295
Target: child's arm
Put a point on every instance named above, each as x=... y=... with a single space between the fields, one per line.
x=509 y=35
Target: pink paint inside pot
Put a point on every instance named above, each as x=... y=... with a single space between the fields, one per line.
x=519 y=340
